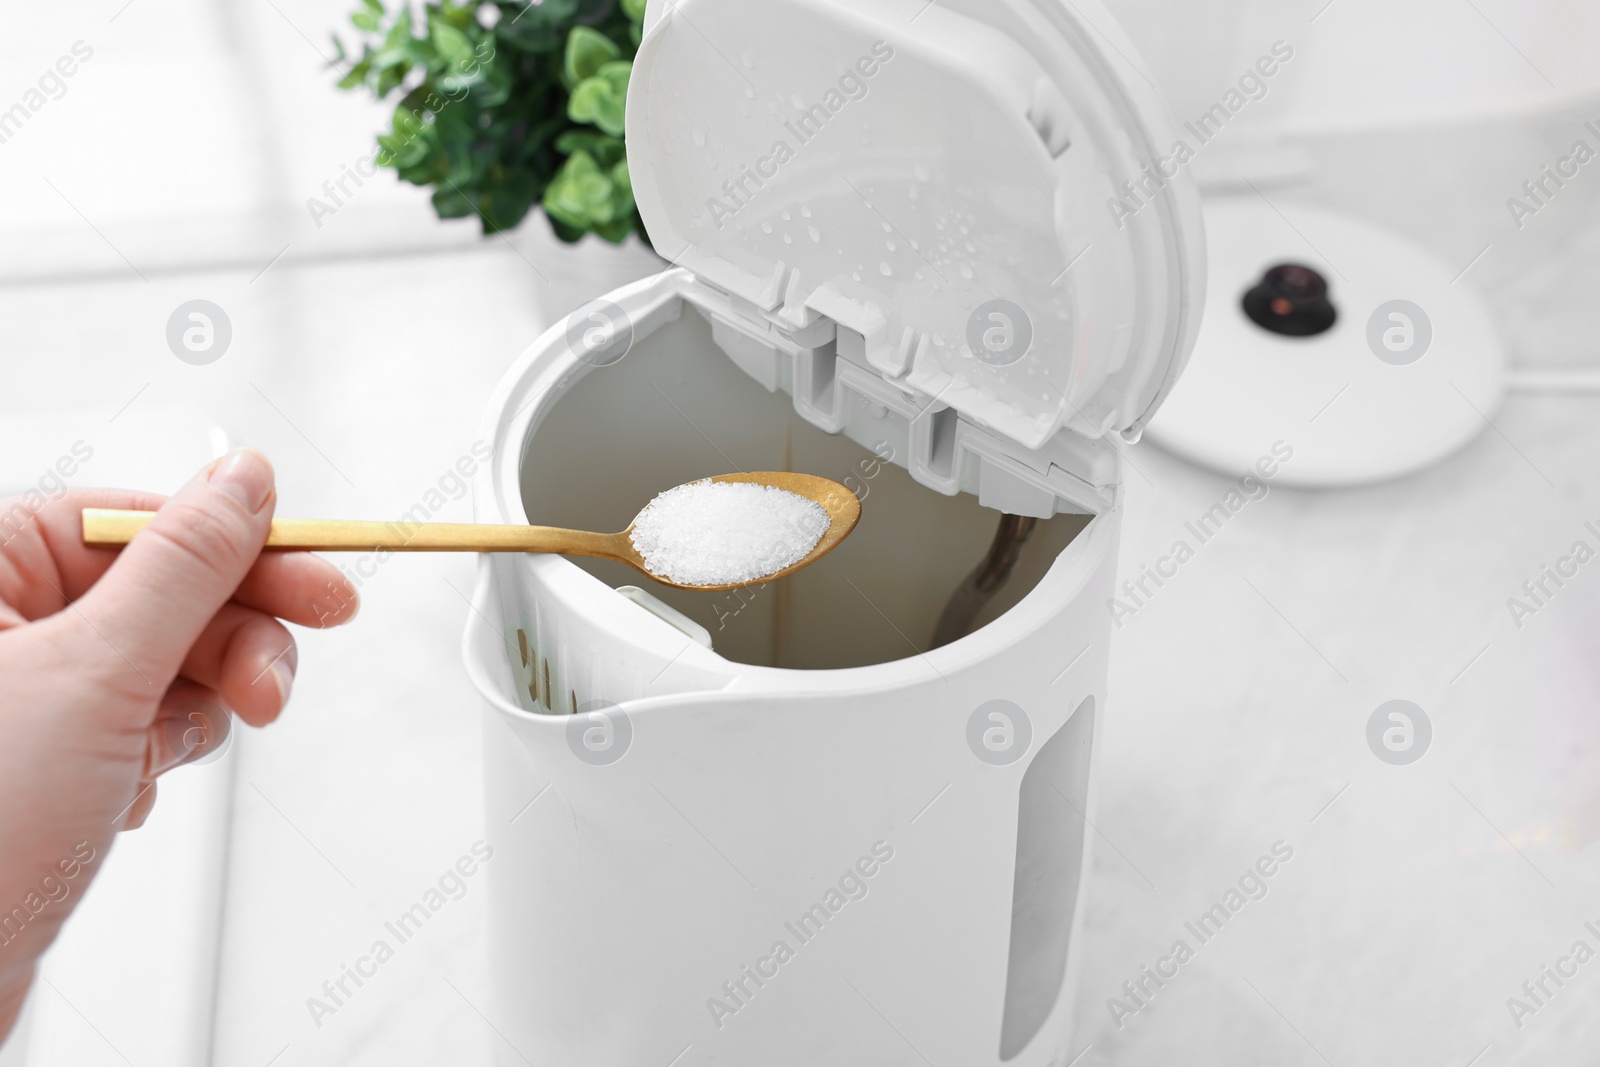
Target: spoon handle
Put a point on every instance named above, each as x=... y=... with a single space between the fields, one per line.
x=107 y=526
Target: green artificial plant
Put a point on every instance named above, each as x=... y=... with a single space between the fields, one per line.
x=506 y=104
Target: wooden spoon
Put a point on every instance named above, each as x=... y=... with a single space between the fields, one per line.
x=107 y=527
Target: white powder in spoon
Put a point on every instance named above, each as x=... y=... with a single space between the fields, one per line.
x=723 y=533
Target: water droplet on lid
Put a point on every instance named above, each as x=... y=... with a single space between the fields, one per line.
x=966 y=272
x=699 y=139
x=786 y=215
x=766 y=227
x=885 y=270
x=887 y=228
x=788 y=240
x=889 y=245
x=805 y=212
x=816 y=234
x=856 y=275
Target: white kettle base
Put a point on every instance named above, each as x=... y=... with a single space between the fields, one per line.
x=1411 y=370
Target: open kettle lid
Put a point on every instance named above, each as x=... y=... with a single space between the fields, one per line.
x=967 y=184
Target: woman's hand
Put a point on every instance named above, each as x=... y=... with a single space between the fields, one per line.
x=116 y=667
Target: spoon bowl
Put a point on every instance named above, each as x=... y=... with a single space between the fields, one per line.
x=841 y=505
x=105 y=527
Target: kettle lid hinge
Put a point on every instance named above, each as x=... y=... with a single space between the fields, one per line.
x=823 y=368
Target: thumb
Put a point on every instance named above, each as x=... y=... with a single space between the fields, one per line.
x=153 y=603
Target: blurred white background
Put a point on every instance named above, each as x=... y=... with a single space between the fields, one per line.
x=176 y=166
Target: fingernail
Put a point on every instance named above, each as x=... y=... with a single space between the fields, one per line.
x=179 y=738
x=283 y=676
x=245 y=475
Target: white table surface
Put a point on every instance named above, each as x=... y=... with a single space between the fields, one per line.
x=1419 y=897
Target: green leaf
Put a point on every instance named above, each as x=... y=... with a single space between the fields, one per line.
x=580 y=194
x=451 y=203
x=538 y=28
x=453 y=46
x=493 y=87
x=421 y=161
x=570 y=234
x=549 y=12
x=409 y=144
x=392 y=57
x=607 y=150
x=603 y=99
x=399 y=34
x=369 y=18
x=356 y=75
x=506 y=202
x=455 y=87
x=615 y=231
x=622 y=183
x=405 y=125
x=400 y=153
x=389 y=79
x=587 y=51
x=461 y=16
x=457 y=124
x=634 y=9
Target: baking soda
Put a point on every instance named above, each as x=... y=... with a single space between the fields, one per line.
x=724 y=533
